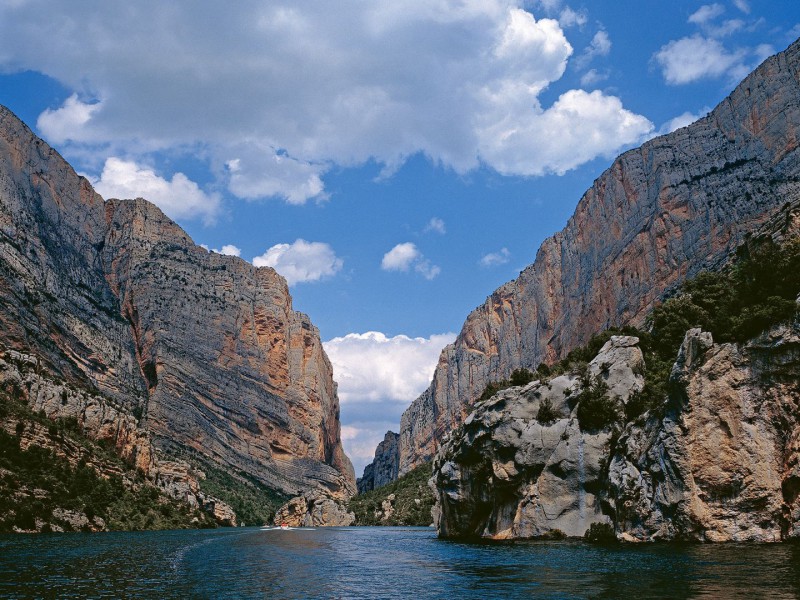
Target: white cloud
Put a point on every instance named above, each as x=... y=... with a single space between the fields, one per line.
x=578 y=127
x=681 y=120
x=706 y=13
x=67 y=122
x=400 y=257
x=592 y=77
x=599 y=46
x=228 y=250
x=403 y=256
x=495 y=258
x=179 y=197
x=571 y=18
x=371 y=367
x=301 y=261
x=742 y=5
x=281 y=93
x=692 y=58
x=436 y=225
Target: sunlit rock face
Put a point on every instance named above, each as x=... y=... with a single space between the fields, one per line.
x=661 y=213
x=204 y=351
x=506 y=473
x=719 y=460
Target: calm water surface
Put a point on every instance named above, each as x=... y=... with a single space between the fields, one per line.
x=364 y=562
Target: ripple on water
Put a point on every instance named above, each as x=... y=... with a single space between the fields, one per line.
x=361 y=562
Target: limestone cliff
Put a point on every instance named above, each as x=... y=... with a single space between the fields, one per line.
x=384 y=467
x=662 y=212
x=718 y=461
x=202 y=351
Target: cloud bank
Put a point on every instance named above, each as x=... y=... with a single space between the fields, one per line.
x=274 y=95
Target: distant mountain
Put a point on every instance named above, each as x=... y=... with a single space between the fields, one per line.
x=201 y=352
x=679 y=204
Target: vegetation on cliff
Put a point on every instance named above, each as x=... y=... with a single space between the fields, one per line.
x=756 y=290
x=254 y=503
x=406 y=501
x=41 y=490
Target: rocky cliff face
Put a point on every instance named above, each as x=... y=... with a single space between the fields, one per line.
x=203 y=351
x=662 y=212
x=717 y=462
x=511 y=472
x=384 y=467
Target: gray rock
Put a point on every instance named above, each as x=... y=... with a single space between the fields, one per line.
x=384 y=467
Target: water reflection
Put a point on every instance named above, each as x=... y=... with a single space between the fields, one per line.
x=381 y=563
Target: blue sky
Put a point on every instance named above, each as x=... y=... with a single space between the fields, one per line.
x=395 y=161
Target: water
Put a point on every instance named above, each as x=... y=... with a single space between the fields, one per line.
x=365 y=562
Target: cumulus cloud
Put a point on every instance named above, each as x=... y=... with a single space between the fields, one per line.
x=178 y=197
x=693 y=58
x=276 y=94
x=400 y=257
x=373 y=367
x=495 y=258
x=301 y=261
x=577 y=126
x=436 y=225
x=403 y=256
x=378 y=377
x=68 y=121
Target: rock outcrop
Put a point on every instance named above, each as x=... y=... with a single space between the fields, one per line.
x=718 y=461
x=662 y=212
x=384 y=467
x=314 y=509
x=512 y=472
x=723 y=463
x=200 y=353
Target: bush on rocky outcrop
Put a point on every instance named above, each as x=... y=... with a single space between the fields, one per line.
x=600 y=533
x=596 y=409
x=546 y=413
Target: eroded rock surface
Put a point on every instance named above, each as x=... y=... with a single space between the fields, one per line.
x=506 y=474
x=314 y=509
x=717 y=461
x=384 y=467
x=201 y=353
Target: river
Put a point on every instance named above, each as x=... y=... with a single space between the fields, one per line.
x=365 y=562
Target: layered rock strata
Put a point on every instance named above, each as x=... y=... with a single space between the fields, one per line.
x=202 y=351
x=384 y=467
x=718 y=461
x=662 y=212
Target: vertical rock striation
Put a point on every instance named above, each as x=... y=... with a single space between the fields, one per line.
x=662 y=212
x=384 y=467
x=203 y=350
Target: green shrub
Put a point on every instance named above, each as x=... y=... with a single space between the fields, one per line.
x=596 y=410
x=546 y=413
x=600 y=533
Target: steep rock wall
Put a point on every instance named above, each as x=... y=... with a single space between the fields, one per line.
x=203 y=350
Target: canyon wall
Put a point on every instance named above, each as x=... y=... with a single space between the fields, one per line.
x=679 y=204
x=204 y=351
